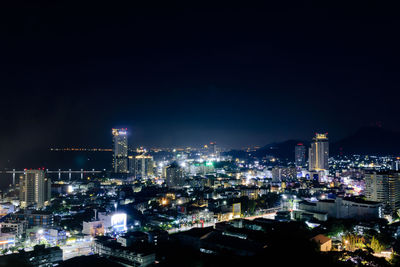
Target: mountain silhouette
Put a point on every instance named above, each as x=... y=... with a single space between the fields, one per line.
x=369 y=141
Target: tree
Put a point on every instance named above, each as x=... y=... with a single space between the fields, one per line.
x=375 y=245
x=352 y=242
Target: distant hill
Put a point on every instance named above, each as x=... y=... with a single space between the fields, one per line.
x=365 y=141
x=369 y=141
x=284 y=150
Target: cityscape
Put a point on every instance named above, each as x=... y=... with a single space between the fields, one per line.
x=206 y=202
x=175 y=135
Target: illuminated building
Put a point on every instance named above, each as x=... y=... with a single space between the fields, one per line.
x=6 y=241
x=384 y=187
x=77 y=246
x=250 y=192
x=283 y=173
x=236 y=209
x=174 y=175
x=300 y=155
x=120 y=150
x=53 y=236
x=35 y=189
x=396 y=164
x=113 y=222
x=34 y=217
x=318 y=154
x=213 y=149
x=93 y=228
x=6 y=208
x=141 y=166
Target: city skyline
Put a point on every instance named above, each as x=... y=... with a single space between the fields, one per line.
x=186 y=134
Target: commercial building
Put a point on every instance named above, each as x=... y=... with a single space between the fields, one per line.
x=113 y=222
x=174 y=175
x=384 y=187
x=93 y=228
x=120 y=150
x=283 y=173
x=34 y=218
x=35 y=188
x=53 y=236
x=318 y=154
x=340 y=208
x=300 y=155
x=131 y=256
x=141 y=166
x=250 y=192
x=7 y=240
x=6 y=208
x=79 y=246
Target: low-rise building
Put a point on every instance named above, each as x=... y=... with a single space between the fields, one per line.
x=130 y=238
x=7 y=240
x=34 y=217
x=93 y=228
x=344 y=208
x=324 y=243
x=77 y=246
x=40 y=256
x=136 y=256
x=16 y=227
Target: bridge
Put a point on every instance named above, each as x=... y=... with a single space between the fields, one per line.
x=59 y=172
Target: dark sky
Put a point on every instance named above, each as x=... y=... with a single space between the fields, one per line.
x=180 y=75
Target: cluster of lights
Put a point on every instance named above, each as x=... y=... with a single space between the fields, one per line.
x=81 y=149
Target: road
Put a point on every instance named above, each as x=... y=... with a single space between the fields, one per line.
x=269 y=214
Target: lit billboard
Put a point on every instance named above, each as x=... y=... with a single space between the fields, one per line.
x=118 y=222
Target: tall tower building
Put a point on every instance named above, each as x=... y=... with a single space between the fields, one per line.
x=300 y=155
x=141 y=166
x=318 y=153
x=120 y=150
x=35 y=188
x=174 y=175
x=213 y=148
x=384 y=187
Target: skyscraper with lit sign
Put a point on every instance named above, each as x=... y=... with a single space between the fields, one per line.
x=120 y=150
x=319 y=153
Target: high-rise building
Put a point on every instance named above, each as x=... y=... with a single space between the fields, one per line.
x=318 y=153
x=300 y=155
x=174 y=175
x=141 y=166
x=35 y=188
x=396 y=164
x=120 y=150
x=213 y=149
x=384 y=187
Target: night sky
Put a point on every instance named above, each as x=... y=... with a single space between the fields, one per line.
x=177 y=75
